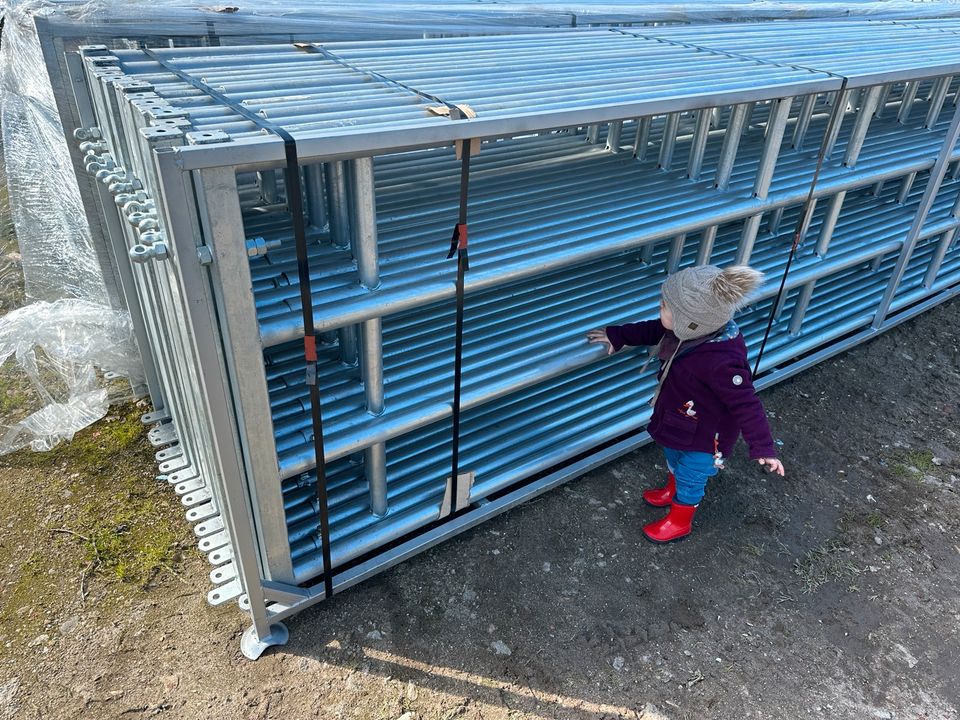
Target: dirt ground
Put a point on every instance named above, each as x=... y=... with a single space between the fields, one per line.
x=832 y=593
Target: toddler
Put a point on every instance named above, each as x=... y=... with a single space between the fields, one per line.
x=705 y=397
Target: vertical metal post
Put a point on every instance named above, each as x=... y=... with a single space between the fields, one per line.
x=707 y=240
x=364 y=224
x=803 y=121
x=835 y=130
x=882 y=102
x=699 y=144
x=829 y=223
x=926 y=202
x=316 y=202
x=937 y=96
x=800 y=309
x=338 y=209
x=614 y=131
x=860 y=126
x=906 y=185
x=669 y=141
x=776 y=125
x=748 y=118
x=878 y=188
x=773 y=222
x=646 y=253
x=731 y=142
x=593 y=134
x=267 y=180
x=906 y=101
x=676 y=253
x=942 y=246
x=224 y=223
x=642 y=141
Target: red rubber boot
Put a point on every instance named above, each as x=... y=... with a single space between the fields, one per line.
x=674 y=526
x=661 y=497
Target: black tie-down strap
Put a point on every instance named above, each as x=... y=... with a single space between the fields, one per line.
x=804 y=221
x=295 y=202
x=459 y=247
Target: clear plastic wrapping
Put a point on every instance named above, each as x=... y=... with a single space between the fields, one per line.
x=56 y=360
x=56 y=350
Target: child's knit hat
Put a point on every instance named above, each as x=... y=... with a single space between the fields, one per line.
x=703 y=299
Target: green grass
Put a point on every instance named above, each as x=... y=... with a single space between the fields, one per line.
x=823 y=565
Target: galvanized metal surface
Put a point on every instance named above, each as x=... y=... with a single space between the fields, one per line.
x=569 y=230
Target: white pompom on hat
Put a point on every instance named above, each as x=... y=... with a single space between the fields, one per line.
x=704 y=299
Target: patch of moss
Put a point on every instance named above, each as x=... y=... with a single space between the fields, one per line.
x=126 y=525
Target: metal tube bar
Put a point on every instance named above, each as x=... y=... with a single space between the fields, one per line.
x=316 y=201
x=800 y=308
x=747 y=239
x=349 y=352
x=338 y=210
x=906 y=101
x=776 y=125
x=707 y=239
x=937 y=96
x=882 y=103
x=699 y=144
x=593 y=134
x=776 y=217
x=642 y=140
x=614 y=131
x=669 y=141
x=364 y=222
x=829 y=223
x=803 y=121
x=860 y=126
x=906 y=185
x=942 y=247
x=731 y=142
x=926 y=202
x=267 y=180
x=835 y=130
x=676 y=252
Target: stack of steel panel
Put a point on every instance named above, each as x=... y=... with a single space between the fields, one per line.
x=609 y=159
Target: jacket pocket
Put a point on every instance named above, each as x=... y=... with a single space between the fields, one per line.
x=677 y=429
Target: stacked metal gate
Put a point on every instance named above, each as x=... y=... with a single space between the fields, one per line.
x=609 y=158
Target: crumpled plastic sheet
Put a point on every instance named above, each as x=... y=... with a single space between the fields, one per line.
x=59 y=357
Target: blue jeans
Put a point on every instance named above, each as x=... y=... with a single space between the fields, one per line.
x=692 y=470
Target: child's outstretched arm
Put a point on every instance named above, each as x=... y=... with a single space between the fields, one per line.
x=616 y=337
x=733 y=384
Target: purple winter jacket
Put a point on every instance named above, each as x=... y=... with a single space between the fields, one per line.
x=708 y=394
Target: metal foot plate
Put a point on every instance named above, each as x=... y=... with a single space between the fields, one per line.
x=252 y=646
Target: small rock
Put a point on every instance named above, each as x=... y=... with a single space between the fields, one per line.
x=878 y=540
x=412 y=692
x=170 y=682
x=618 y=663
x=69 y=625
x=469 y=595
x=407 y=716
x=500 y=648
x=38 y=640
x=871 y=498
x=334 y=645
x=547 y=567
x=937 y=461
x=375 y=635
x=494 y=552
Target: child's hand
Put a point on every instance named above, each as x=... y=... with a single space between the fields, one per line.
x=600 y=336
x=772 y=465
